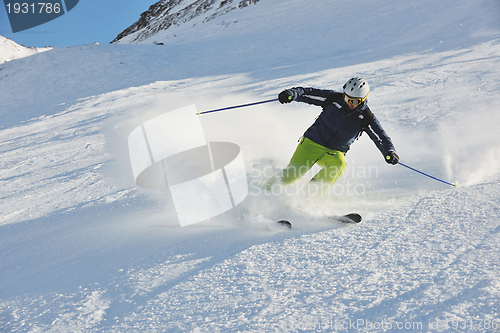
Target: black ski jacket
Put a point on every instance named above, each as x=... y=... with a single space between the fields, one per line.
x=338 y=126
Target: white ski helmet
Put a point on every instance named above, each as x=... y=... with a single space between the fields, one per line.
x=357 y=88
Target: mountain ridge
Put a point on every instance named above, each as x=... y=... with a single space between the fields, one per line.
x=10 y=50
x=166 y=13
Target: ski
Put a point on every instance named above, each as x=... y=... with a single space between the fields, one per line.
x=348 y=218
x=285 y=224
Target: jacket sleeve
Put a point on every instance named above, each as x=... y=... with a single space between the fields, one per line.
x=379 y=137
x=310 y=95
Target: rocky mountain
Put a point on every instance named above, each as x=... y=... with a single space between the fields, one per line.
x=167 y=13
x=10 y=50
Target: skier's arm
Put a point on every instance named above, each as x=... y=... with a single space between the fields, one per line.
x=308 y=95
x=380 y=137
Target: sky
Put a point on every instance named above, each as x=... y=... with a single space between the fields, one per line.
x=90 y=21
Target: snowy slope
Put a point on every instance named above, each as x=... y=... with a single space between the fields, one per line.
x=10 y=50
x=82 y=249
x=333 y=26
x=271 y=39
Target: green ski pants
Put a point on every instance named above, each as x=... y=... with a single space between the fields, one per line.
x=307 y=154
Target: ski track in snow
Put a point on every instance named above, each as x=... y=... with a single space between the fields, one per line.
x=83 y=250
x=432 y=259
x=389 y=270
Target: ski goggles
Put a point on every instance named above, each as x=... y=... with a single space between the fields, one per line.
x=353 y=101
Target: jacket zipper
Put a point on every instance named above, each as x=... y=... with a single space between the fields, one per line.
x=341 y=125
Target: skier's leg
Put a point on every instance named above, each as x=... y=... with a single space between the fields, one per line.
x=307 y=153
x=333 y=165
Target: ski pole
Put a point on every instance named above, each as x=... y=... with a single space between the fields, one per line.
x=237 y=106
x=423 y=173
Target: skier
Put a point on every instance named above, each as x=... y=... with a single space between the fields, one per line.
x=344 y=118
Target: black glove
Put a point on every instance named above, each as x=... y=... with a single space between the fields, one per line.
x=392 y=157
x=285 y=97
